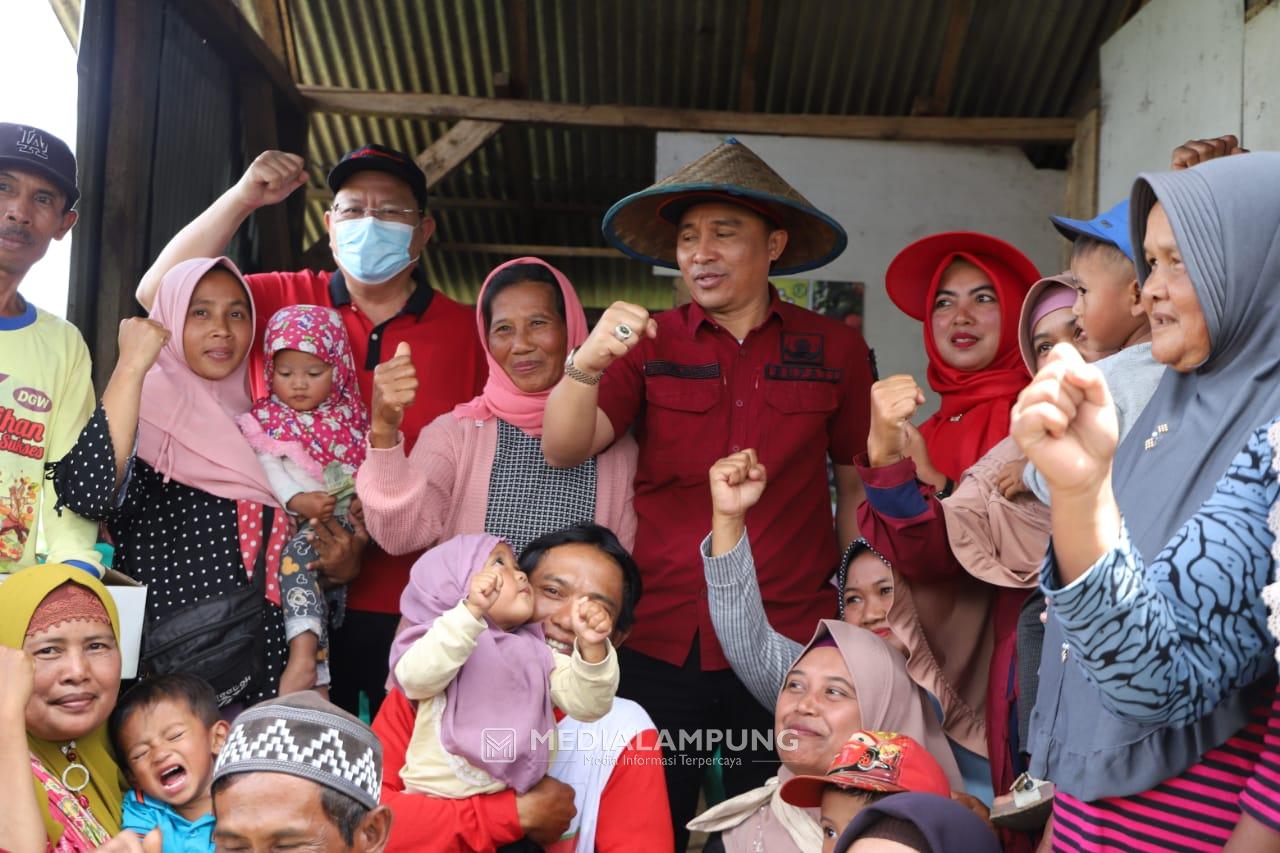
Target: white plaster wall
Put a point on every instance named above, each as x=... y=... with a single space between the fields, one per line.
x=1172 y=73
x=1262 y=80
x=887 y=194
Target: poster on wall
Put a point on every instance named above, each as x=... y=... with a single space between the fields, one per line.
x=839 y=300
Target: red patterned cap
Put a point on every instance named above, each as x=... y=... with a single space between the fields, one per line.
x=873 y=761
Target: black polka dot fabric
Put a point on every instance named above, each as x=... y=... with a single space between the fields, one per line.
x=182 y=542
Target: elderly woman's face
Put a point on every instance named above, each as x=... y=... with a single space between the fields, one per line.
x=77 y=679
x=1179 y=334
x=527 y=335
x=816 y=711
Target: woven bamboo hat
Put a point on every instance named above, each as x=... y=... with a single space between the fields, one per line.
x=644 y=224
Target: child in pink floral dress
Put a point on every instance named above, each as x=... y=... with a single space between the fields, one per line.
x=310 y=437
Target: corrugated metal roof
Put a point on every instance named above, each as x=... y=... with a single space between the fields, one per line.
x=815 y=56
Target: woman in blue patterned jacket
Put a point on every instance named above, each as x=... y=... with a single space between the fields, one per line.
x=1153 y=718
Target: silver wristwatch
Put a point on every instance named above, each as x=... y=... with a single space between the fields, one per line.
x=577 y=375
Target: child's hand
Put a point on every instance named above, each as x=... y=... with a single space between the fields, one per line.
x=592 y=625
x=1009 y=480
x=483 y=592
x=316 y=506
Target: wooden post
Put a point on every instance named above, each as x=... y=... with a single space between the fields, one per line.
x=1082 y=170
x=130 y=139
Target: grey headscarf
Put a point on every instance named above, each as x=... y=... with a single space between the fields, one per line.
x=1225 y=215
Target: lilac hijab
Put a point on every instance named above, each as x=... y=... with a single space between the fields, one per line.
x=505 y=684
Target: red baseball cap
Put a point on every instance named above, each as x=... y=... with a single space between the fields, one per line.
x=873 y=761
x=912 y=272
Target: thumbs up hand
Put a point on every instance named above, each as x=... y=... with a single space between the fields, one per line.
x=395 y=385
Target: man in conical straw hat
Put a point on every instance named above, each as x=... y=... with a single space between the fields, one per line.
x=736 y=371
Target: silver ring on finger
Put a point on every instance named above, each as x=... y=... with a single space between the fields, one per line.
x=622 y=331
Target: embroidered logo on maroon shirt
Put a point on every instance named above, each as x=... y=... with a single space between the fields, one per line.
x=797 y=373
x=682 y=371
x=802 y=348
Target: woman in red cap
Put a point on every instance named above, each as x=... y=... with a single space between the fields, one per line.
x=968 y=291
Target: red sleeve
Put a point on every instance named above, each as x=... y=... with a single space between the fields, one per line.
x=480 y=823
x=634 y=814
x=272 y=291
x=902 y=519
x=622 y=389
x=847 y=434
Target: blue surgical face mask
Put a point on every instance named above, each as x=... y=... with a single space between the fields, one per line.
x=371 y=250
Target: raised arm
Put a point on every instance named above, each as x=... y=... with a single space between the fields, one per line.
x=758 y=654
x=574 y=427
x=270 y=179
x=140 y=343
x=1164 y=642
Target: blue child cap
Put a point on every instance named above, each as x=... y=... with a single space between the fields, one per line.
x=1110 y=226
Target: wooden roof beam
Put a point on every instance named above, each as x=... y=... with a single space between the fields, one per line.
x=750 y=52
x=938 y=103
x=451 y=150
x=516 y=250
x=902 y=128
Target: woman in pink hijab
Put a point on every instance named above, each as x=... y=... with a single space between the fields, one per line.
x=479 y=468
x=188 y=505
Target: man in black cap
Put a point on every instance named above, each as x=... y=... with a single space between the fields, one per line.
x=46 y=390
x=378 y=227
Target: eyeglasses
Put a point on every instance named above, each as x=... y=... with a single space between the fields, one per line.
x=343 y=212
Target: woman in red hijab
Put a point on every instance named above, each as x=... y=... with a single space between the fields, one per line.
x=967 y=289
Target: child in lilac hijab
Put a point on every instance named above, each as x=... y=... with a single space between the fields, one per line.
x=483 y=676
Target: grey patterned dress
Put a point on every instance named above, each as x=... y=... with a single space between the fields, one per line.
x=527 y=497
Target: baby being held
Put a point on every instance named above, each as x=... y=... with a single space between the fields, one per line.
x=309 y=436
x=477 y=666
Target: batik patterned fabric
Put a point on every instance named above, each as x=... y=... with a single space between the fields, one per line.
x=335 y=430
x=303 y=735
x=80 y=829
x=1167 y=641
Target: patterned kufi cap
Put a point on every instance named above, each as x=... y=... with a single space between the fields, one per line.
x=303 y=735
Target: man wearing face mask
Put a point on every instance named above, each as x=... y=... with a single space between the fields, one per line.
x=378 y=227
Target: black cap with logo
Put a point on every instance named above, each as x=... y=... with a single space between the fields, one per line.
x=379 y=158
x=31 y=148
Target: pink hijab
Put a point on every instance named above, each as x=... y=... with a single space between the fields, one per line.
x=500 y=397
x=186 y=424
x=506 y=681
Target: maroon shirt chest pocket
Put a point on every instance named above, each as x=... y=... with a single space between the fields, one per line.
x=799 y=412
x=683 y=432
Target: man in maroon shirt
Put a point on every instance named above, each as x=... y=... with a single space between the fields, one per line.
x=378 y=227
x=736 y=368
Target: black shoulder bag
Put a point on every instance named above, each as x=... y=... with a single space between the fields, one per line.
x=219 y=639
